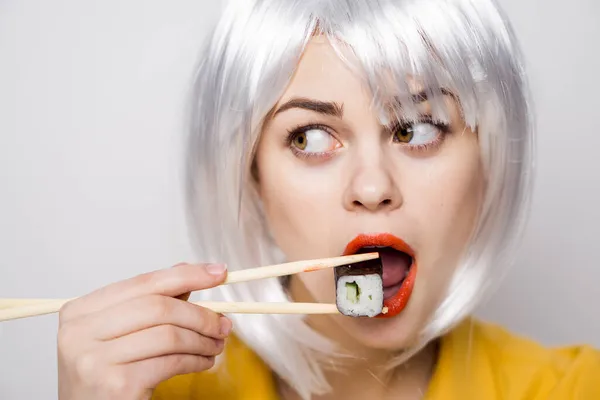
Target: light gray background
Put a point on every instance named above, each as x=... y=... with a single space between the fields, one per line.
x=90 y=117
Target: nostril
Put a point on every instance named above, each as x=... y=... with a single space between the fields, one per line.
x=384 y=203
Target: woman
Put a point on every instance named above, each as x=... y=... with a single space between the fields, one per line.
x=320 y=128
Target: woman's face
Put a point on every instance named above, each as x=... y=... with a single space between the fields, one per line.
x=328 y=171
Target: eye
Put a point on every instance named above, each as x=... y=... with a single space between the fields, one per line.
x=313 y=140
x=417 y=134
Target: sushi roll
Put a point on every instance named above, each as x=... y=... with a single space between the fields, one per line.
x=359 y=288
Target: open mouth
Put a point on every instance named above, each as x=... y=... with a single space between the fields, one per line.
x=399 y=267
x=396 y=266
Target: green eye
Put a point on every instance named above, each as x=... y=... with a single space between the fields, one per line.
x=300 y=141
x=404 y=134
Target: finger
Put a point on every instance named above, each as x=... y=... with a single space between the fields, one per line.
x=137 y=380
x=184 y=297
x=174 y=281
x=153 y=371
x=159 y=341
x=146 y=312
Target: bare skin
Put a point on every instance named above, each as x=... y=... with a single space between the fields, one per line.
x=364 y=377
x=364 y=381
x=344 y=173
x=121 y=341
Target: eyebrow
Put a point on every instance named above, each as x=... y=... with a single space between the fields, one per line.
x=322 y=107
x=421 y=97
x=337 y=110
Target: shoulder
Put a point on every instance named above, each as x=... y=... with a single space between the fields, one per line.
x=521 y=368
x=238 y=374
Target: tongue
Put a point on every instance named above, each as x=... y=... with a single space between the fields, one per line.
x=395 y=266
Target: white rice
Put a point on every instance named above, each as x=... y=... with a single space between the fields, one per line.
x=370 y=301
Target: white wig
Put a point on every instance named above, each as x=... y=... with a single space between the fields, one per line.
x=465 y=46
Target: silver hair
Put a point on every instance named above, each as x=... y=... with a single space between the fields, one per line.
x=466 y=46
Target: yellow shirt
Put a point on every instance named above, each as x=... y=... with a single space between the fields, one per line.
x=478 y=361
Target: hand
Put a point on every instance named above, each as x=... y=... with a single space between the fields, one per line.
x=121 y=341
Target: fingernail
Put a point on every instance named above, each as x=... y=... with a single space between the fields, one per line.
x=226 y=326
x=216 y=269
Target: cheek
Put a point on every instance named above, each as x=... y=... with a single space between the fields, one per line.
x=298 y=209
x=315 y=286
x=447 y=200
x=298 y=202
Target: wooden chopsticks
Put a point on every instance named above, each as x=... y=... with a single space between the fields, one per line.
x=22 y=308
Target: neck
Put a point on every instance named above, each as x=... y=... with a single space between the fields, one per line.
x=365 y=373
x=367 y=379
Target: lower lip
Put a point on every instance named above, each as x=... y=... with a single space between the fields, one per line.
x=397 y=302
x=390 y=291
x=400 y=296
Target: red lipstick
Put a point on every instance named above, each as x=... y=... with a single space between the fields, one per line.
x=398 y=300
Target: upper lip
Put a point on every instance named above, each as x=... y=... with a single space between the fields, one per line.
x=378 y=240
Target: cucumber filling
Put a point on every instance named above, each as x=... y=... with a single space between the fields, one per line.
x=352 y=292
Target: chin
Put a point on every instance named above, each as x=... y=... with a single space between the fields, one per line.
x=391 y=334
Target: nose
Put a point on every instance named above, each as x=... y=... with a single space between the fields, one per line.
x=372 y=186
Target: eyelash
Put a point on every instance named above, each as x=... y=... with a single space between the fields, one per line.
x=304 y=128
x=443 y=127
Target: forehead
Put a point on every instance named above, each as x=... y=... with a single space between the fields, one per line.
x=323 y=75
